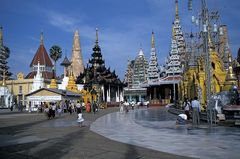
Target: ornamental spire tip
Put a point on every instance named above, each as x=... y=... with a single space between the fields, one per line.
x=41 y=38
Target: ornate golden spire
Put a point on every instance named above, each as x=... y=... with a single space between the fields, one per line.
x=153 y=41
x=96 y=35
x=231 y=78
x=1 y=36
x=71 y=83
x=41 y=38
x=176 y=10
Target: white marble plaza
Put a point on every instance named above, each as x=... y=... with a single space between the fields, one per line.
x=156 y=129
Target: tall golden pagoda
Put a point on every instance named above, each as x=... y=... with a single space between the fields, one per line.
x=194 y=81
x=231 y=79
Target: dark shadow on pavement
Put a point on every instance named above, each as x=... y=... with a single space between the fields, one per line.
x=132 y=153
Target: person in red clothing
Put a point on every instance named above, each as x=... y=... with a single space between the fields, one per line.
x=88 y=107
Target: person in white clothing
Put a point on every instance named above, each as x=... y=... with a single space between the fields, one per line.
x=196 y=110
x=121 y=106
x=186 y=105
x=181 y=119
x=80 y=120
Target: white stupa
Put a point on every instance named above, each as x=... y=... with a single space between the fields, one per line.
x=38 y=81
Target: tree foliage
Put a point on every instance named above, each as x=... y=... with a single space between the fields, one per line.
x=4 y=54
x=55 y=53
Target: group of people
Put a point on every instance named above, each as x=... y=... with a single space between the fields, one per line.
x=124 y=106
x=61 y=107
x=92 y=107
x=52 y=108
x=193 y=107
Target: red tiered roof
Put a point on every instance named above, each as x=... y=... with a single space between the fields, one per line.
x=41 y=56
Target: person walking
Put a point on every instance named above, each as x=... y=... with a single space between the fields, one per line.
x=71 y=108
x=83 y=106
x=54 y=107
x=126 y=104
x=59 y=109
x=94 y=107
x=46 y=110
x=121 y=107
x=11 y=108
x=186 y=105
x=78 y=106
x=196 y=111
x=88 y=107
x=80 y=120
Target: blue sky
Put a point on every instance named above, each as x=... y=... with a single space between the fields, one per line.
x=124 y=26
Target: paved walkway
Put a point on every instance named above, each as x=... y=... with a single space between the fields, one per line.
x=31 y=135
x=156 y=129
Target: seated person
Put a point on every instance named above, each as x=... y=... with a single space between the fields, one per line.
x=181 y=119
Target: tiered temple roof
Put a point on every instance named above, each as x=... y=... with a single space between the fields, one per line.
x=42 y=57
x=173 y=65
x=176 y=60
x=97 y=73
x=140 y=69
x=153 y=70
x=129 y=73
x=66 y=63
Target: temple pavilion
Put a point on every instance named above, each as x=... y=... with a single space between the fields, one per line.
x=135 y=75
x=99 y=81
x=162 y=83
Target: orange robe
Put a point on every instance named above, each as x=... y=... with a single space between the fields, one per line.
x=88 y=107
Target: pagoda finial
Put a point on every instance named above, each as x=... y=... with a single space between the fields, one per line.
x=1 y=36
x=41 y=38
x=153 y=41
x=176 y=10
x=38 y=67
x=96 y=35
x=229 y=58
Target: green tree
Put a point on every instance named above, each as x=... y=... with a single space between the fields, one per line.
x=55 y=54
x=4 y=54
